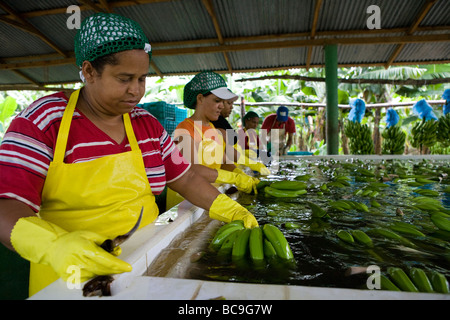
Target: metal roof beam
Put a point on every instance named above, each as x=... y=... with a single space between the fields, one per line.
x=423 y=13
x=48 y=60
x=313 y=30
x=28 y=27
x=304 y=43
x=93 y=6
x=209 y=7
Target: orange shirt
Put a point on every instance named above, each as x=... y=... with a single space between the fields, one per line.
x=210 y=141
x=198 y=131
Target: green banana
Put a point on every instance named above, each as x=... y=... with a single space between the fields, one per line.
x=277 y=193
x=440 y=221
x=361 y=206
x=345 y=236
x=427 y=204
x=424 y=181
x=240 y=245
x=278 y=241
x=386 y=233
x=256 y=244
x=340 y=205
x=375 y=204
x=439 y=282
x=406 y=228
x=387 y=284
x=262 y=184
x=394 y=140
x=335 y=184
x=362 y=237
x=443 y=130
x=316 y=210
x=360 y=138
x=303 y=177
x=420 y=279
x=426 y=192
x=227 y=246
x=224 y=232
x=424 y=133
x=401 y=279
x=365 y=172
x=292 y=225
x=269 y=250
x=288 y=185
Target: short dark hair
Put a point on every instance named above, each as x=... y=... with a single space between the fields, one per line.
x=100 y=63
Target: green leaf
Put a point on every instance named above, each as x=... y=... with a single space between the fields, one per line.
x=7 y=108
x=409 y=119
x=343 y=97
x=309 y=91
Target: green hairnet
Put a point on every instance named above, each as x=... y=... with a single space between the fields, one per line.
x=250 y=114
x=204 y=82
x=105 y=33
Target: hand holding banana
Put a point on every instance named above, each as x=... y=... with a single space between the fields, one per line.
x=55 y=247
x=242 y=181
x=227 y=210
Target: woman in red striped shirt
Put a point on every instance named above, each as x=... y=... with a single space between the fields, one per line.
x=77 y=171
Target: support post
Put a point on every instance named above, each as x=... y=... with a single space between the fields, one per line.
x=331 y=81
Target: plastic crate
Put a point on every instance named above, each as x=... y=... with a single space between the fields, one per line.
x=169 y=125
x=161 y=110
x=180 y=114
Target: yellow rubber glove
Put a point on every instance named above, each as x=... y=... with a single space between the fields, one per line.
x=227 y=210
x=243 y=182
x=249 y=160
x=260 y=167
x=238 y=170
x=43 y=242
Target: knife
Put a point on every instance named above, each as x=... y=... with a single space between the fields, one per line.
x=101 y=285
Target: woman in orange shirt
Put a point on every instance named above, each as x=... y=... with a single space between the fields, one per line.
x=197 y=138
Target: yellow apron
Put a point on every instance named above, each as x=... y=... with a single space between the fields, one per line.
x=210 y=152
x=104 y=195
x=279 y=139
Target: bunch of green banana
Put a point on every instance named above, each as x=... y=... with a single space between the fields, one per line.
x=344 y=205
x=360 y=236
x=441 y=220
x=417 y=281
x=424 y=133
x=443 y=130
x=428 y=204
x=234 y=240
x=285 y=189
x=394 y=140
x=360 y=138
x=439 y=148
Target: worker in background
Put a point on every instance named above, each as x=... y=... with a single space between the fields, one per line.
x=280 y=129
x=198 y=139
x=227 y=131
x=77 y=171
x=233 y=150
x=248 y=137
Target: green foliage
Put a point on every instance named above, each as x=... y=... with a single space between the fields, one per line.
x=7 y=110
x=170 y=89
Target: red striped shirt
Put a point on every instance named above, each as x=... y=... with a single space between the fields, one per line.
x=27 y=148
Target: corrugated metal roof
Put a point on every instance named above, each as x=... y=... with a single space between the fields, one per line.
x=255 y=34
